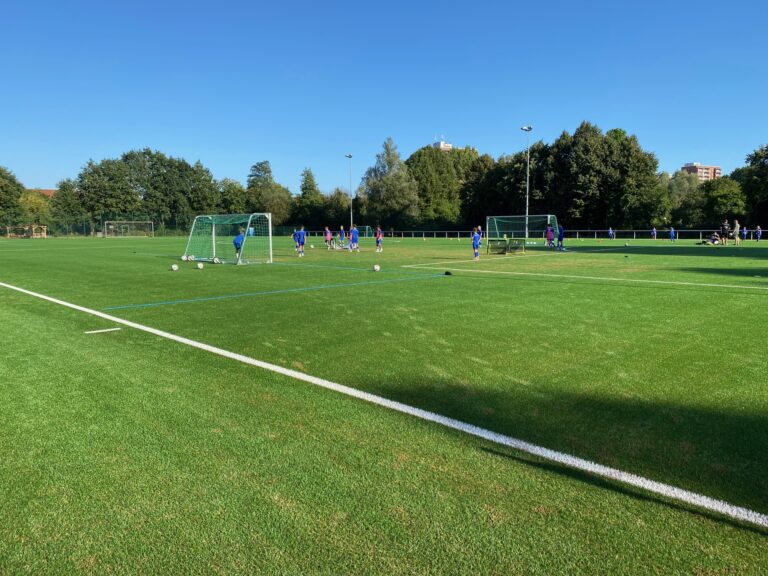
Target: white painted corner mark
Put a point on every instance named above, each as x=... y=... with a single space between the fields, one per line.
x=102 y=331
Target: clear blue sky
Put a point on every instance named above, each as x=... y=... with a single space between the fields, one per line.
x=301 y=83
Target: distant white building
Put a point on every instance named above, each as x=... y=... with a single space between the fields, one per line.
x=443 y=146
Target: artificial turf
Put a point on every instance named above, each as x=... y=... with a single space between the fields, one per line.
x=126 y=453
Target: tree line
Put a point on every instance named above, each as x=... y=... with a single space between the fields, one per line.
x=589 y=179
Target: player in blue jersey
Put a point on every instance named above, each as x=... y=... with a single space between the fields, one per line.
x=611 y=234
x=560 y=237
x=238 y=243
x=672 y=234
x=342 y=235
x=354 y=237
x=295 y=240
x=476 y=243
x=379 y=239
x=758 y=234
x=653 y=233
x=300 y=239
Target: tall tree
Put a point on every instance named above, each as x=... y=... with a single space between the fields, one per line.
x=233 y=196
x=266 y=195
x=724 y=199
x=34 y=208
x=309 y=204
x=686 y=200
x=391 y=192
x=753 y=179
x=336 y=208
x=66 y=206
x=439 y=176
x=106 y=191
x=10 y=192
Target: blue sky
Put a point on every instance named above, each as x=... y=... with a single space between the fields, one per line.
x=302 y=83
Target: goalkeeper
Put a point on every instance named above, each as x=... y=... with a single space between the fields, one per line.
x=238 y=243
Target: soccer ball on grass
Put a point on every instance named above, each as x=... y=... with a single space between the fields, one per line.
x=376 y=268
x=174 y=267
x=199 y=265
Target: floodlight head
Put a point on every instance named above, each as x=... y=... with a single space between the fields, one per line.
x=526 y=128
x=348 y=155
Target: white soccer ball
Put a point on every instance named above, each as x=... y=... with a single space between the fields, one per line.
x=184 y=258
x=216 y=260
x=199 y=265
x=174 y=267
x=312 y=246
x=191 y=258
x=376 y=268
x=626 y=244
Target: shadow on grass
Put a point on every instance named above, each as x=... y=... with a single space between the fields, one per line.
x=757 y=273
x=626 y=490
x=754 y=252
x=722 y=454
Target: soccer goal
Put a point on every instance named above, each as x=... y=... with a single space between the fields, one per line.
x=365 y=231
x=518 y=227
x=212 y=239
x=127 y=228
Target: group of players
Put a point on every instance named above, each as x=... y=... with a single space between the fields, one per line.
x=338 y=243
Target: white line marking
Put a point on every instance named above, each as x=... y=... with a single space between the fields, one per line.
x=666 y=490
x=577 y=277
x=102 y=331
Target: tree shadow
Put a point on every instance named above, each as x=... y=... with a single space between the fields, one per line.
x=614 y=486
x=754 y=252
x=740 y=272
x=722 y=454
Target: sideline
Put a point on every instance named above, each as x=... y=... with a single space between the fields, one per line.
x=666 y=490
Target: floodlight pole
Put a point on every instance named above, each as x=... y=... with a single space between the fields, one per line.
x=351 y=196
x=527 y=130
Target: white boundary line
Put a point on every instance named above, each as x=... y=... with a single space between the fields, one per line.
x=605 y=278
x=666 y=490
x=102 y=331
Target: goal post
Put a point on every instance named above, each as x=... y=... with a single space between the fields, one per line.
x=511 y=230
x=129 y=228
x=212 y=238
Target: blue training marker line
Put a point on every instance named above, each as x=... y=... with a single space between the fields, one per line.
x=270 y=292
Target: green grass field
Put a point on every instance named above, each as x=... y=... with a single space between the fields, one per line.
x=124 y=452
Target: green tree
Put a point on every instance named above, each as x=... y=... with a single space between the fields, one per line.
x=106 y=191
x=266 y=195
x=10 y=193
x=391 y=192
x=233 y=196
x=687 y=200
x=336 y=208
x=34 y=208
x=66 y=207
x=439 y=176
x=753 y=179
x=724 y=199
x=309 y=204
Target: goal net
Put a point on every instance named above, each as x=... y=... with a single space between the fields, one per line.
x=212 y=239
x=532 y=226
x=119 y=228
x=365 y=231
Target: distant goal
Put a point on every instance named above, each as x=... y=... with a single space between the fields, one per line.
x=129 y=228
x=507 y=234
x=212 y=239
